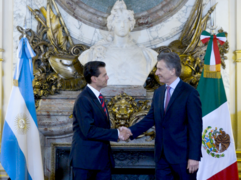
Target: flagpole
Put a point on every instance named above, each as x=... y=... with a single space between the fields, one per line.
x=212 y=19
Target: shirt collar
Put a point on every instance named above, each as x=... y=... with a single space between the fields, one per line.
x=96 y=92
x=173 y=85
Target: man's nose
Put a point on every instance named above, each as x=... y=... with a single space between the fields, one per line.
x=122 y=24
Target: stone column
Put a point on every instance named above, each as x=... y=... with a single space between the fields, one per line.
x=238 y=82
x=238 y=107
x=3 y=174
x=1 y=59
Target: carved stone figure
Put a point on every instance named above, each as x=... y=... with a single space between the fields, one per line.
x=126 y=62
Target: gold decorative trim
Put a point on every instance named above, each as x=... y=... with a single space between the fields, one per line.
x=4 y=176
x=1 y=59
x=3 y=173
x=238 y=152
x=237 y=56
x=15 y=82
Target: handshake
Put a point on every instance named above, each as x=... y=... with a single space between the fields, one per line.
x=124 y=133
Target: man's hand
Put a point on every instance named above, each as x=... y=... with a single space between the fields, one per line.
x=125 y=133
x=192 y=165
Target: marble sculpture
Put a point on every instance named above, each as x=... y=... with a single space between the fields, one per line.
x=127 y=63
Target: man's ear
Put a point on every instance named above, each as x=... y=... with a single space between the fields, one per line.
x=173 y=71
x=93 y=79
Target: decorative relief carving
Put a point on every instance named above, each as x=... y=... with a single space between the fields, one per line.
x=124 y=158
x=125 y=111
x=55 y=66
x=96 y=17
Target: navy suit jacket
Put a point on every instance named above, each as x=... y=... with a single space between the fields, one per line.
x=178 y=131
x=90 y=146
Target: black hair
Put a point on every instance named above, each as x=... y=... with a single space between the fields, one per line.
x=92 y=69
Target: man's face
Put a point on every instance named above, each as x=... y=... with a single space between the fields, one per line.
x=101 y=80
x=121 y=25
x=164 y=73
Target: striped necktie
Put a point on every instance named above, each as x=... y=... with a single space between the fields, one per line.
x=102 y=103
x=168 y=96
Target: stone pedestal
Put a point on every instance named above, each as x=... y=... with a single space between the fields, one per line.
x=134 y=91
x=55 y=124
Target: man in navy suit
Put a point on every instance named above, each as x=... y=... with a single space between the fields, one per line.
x=91 y=156
x=177 y=115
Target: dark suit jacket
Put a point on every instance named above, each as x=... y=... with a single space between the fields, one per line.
x=90 y=146
x=178 y=131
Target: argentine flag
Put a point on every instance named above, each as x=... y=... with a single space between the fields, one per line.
x=21 y=152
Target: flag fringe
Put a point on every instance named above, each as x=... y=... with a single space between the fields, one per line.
x=212 y=71
x=212 y=74
x=212 y=68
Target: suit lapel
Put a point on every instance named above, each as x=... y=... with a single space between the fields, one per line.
x=97 y=102
x=175 y=94
x=161 y=98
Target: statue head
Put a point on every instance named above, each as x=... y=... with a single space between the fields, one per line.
x=121 y=21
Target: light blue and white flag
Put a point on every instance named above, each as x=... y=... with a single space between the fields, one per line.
x=21 y=152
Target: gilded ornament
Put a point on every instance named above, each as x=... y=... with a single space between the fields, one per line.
x=125 y=111
x=55 y=65
x=190 y=48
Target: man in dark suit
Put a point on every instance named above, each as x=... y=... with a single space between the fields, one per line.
x=177 y=115
x=91 y=156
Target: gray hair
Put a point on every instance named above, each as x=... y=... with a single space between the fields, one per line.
x=172 y=61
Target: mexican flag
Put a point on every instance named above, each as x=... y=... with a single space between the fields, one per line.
x=218 y=160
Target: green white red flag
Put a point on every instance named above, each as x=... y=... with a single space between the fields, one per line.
x=219 y=161
x=212 y=63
